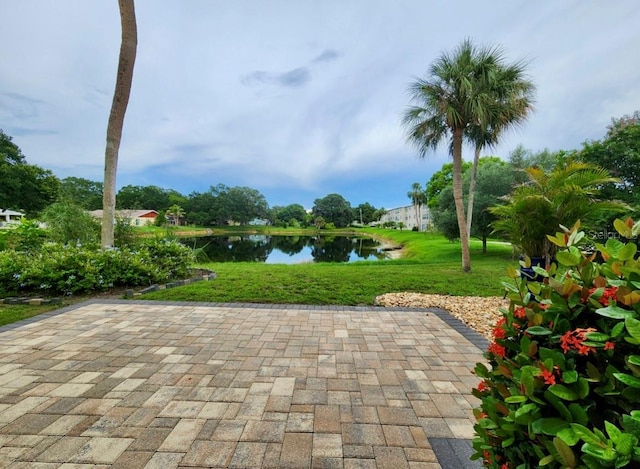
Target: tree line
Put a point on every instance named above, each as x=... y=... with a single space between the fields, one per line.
x=618 y=154
x=32 y=189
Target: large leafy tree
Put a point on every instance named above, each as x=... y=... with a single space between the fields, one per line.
x=440 y=180
x=494 y=180
x=81 y=192
x=366 y=213
x=333 y=208
x=24 y=186
x=619 y=152
x=468 y=94
x=128 y=47
x=287 y=214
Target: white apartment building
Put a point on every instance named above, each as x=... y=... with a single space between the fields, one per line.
x=407 y=215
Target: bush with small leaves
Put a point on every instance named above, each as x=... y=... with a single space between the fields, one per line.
x=562 y=388
x=70 y=269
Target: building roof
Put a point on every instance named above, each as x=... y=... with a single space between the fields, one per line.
x=126 y=213
x=4 y=212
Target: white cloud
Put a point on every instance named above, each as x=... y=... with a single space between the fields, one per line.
x=292 y=94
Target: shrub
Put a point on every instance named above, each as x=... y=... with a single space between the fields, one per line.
x=563 y=387
x=22 y=236
x=70 y=223
x=70 y=269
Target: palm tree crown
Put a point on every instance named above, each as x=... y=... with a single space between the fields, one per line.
x=470 y=94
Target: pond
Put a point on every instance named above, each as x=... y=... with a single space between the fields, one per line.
x=286 y=249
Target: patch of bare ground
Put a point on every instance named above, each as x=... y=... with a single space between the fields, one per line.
x=479 y=313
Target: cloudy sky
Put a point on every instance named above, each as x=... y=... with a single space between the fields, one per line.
x=297 y=99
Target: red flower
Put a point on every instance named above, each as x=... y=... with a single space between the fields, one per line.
x=609 y=345
x=482 y=415
x=574 y=340
x=497 y=350
x=505 y=466
x=520 y=313
x=487 y=456
x=547 y=376
x=608 y=294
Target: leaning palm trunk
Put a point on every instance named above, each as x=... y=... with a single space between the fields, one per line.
x=458 y=198
x=472 y=190
x=116 y=118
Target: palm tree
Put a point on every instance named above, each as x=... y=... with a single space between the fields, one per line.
x=465 y=90
x=121 y=94
x=416 y=194
x=563 y=196
x=176 y=212
x=511 y=103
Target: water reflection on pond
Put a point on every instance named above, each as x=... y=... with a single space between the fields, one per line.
x=286 y=249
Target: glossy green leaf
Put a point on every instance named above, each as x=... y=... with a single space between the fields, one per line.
x=617 y=329
x=515 y=399
x=570 y=376
x=538 y=330
x=587 y=435
x=549 y=426
x=603 y=454
x=570 y=257
x=563 y=392
x=628 y=252
x=628 y=379
x=579 y=414
x=634 y=359
x=615 y=312
x=597 y=336
x=633 y=327
x=631 y=425
x=568 y=436
x=564 y=452
x=548 y=459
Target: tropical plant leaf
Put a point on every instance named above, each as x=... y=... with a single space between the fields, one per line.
x=633 y=327
x=568 y=436
x=515 y=399
x=628 y=379
x=615 y=312
x=627 y=252
x=549 y=426
x=634 y=359
x=564 y=452
x=538 y=330
x=563 y=392
x=570 y=257
x=579 y=413
x=587 y=435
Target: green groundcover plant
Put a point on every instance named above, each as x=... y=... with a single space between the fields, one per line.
x=562 y=388
x=55 y=268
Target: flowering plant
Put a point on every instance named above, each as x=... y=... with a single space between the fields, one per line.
x=563 y=385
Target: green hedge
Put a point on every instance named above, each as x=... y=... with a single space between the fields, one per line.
x=56 y=269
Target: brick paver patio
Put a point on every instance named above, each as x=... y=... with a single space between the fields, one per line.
x=158 y=385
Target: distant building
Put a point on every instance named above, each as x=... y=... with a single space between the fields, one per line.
x=9 y=216
x=407 y=215
x=134 y=217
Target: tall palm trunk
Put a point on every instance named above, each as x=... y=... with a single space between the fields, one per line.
x=458 y=198
x=121 y=94
x=472 y=190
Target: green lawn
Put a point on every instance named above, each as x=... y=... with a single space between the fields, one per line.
x=12 y=313
x=431 y=265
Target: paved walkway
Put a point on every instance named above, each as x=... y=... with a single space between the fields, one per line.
x=166 y=385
